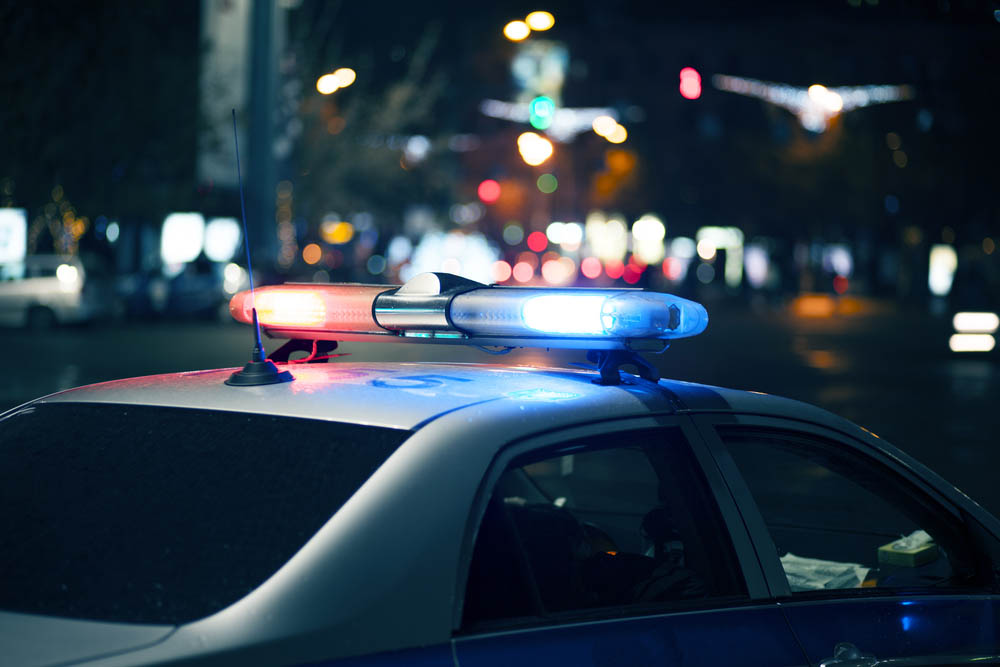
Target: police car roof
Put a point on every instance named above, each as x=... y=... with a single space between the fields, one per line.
x=408 y=395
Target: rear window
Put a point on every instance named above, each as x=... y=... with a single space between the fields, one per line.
x=164 y=515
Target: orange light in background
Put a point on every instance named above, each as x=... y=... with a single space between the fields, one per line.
x=814 y=306
x=501 y=271
x=523 y=272
x=540 y=21
x=336 y=232
x=529 y=258
x=288 y=308
x=516 y=31
x=537 y=241
x=312 y=253
x=617 y=135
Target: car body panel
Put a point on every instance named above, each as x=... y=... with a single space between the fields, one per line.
x=27 y=639
x=399 y=395
x=758 y=635
x=351 y=589
x=917 y=626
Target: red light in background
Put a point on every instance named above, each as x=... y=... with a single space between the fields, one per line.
x=636 y=264
x=590 y=267
x=614 y=268
x=537 y=241
x=489 y=191
x=690 y=83
x=523 y=272
x=631 y=275
x=840 y=284
x=672 y=269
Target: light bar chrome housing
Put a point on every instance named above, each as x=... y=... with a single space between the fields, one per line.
x=444 y=308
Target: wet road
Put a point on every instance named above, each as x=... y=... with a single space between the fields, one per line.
x=889 y=372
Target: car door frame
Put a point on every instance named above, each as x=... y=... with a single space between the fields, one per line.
x=939 y=491
x=758 y=591
x=960 y=507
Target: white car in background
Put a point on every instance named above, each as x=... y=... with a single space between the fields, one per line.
x=44 y=290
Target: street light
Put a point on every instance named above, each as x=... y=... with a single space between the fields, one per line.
x=516 y=31
x=341 y=78
x=540 y=21
x=535 y=149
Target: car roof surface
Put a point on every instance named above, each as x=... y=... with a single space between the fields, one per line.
x=407 y=395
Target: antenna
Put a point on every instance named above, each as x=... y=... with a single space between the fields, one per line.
x=259 y=370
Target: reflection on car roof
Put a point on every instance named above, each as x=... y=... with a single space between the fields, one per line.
x=406 y=395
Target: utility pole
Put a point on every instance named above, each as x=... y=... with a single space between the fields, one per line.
x=267 y=22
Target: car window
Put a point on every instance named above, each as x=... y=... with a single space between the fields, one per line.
x=841 y=522
x=144 y=514
x=613 y=522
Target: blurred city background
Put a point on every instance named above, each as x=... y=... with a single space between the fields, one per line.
x=823 y=176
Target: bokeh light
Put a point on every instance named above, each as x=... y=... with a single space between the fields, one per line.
x=222 y=239
x=513 y=233
x=618 y=135
x=523 y=272
x=344 y=76
x=376 y=265
x=604 y=125
x=312 y=253
x=516 y=31
x=488 y=191
x=337 y=232
x=540 y=20
x=502 y=271
x=537 y=241
x=327 y=84
x=547 y=183
x=535 y=149
x=690 y=85
x=591 y=268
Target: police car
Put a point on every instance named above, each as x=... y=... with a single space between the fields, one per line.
x=466 y=515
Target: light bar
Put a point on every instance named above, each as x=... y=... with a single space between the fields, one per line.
x=440 y=307
x=310 y=307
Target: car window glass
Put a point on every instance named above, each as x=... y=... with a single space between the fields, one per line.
x=844 y=523
x=618 y=521
x=144 y=514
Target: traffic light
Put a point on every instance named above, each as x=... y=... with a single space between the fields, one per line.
x=541 y=112
x=690 y=83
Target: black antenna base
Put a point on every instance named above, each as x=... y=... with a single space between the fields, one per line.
x=257 y=373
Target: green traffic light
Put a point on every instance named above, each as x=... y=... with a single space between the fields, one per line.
x=541 y=111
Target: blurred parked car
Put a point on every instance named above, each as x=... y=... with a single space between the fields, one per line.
x=45 y=290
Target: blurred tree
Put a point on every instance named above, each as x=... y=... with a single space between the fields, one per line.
x=375 y=146
x=99 y=98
